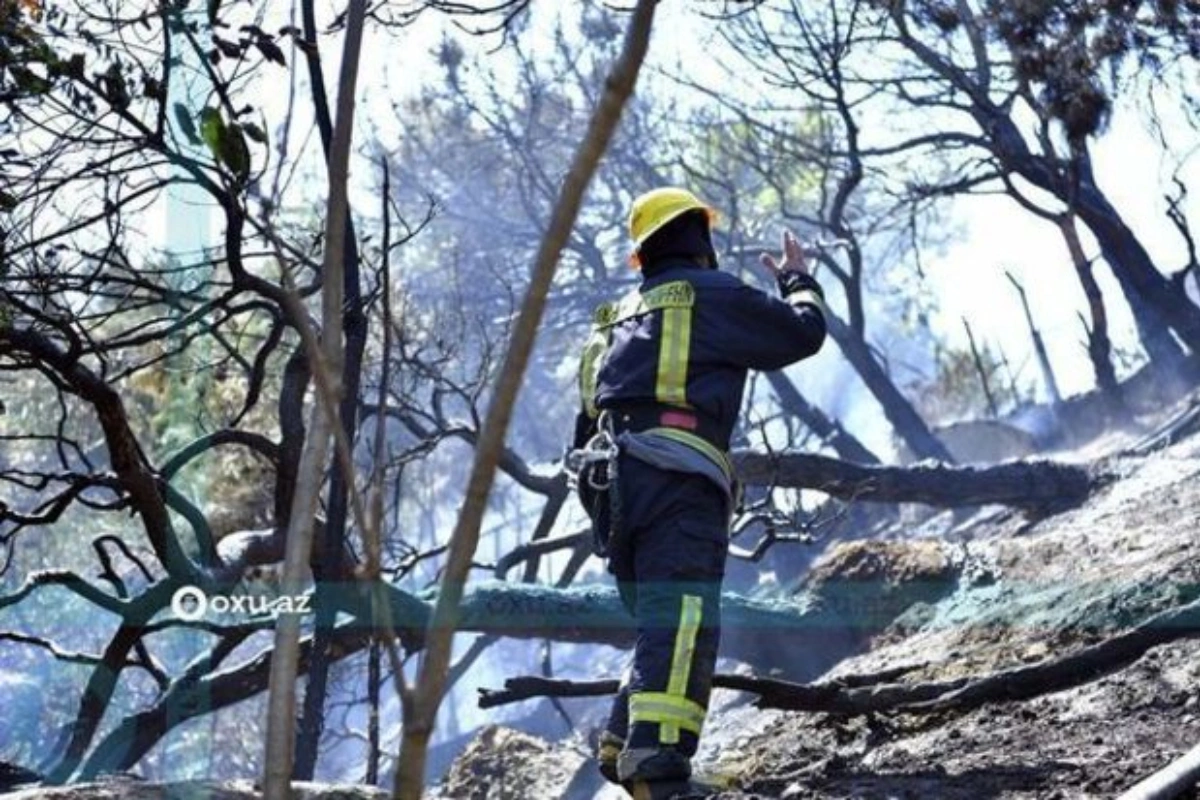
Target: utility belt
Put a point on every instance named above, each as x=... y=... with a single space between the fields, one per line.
x=637 y=418
x=593 y=470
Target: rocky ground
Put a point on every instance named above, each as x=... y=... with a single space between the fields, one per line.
x=1022 y=592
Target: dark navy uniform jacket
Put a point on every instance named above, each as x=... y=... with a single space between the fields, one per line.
x=685 y=339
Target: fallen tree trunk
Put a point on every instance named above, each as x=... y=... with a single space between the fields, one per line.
x=875 y=695
x=595 y=615
x=822 y=630
x=1035 y=486
x=831 y=698
x=1074 y=669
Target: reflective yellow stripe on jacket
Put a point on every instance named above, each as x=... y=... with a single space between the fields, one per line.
x=670 y=386
x=675 y=300
x=593 y=356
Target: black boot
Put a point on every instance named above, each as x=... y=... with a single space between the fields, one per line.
x=668 y=790
x=656 y=773
x=610 y=749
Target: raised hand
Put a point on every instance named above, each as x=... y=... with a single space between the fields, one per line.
x=793 y=257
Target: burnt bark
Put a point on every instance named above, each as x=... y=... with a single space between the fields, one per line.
x=1099 y=346
x=296 y=375
x=1033 y=486
x=1157 y=308
x=1155 y=303
x=331 y=547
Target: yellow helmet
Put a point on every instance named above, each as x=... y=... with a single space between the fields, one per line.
x=656 y=208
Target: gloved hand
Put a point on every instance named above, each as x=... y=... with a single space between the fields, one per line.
x=793 y=257
x=792 y=273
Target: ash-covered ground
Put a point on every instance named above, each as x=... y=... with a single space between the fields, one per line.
x=1016 y=592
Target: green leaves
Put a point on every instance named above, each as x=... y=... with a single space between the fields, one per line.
x=233 y=152
x=211 y=125
x=226 y=142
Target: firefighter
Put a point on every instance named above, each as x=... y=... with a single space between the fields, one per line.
x=661 y=380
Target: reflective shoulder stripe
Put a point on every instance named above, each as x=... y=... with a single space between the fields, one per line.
x=589 y=370
x=710 y=450
x=675 y=299
x=676 y=294
x=603 y=316
x=593 y=356
x=806 y=296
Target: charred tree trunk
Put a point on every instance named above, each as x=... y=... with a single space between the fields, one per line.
x=1157 y=308
x=844 y=443
x=1035 y=486
x=374 y=684
x=1150 y=295
x=1099 y=346
x=899 y=412
x=981 y=370
x=330 y=551
x=1039 y=346
x=296 y=375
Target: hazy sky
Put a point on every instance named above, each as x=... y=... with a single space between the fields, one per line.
x=997 y=235
x=967 y=279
